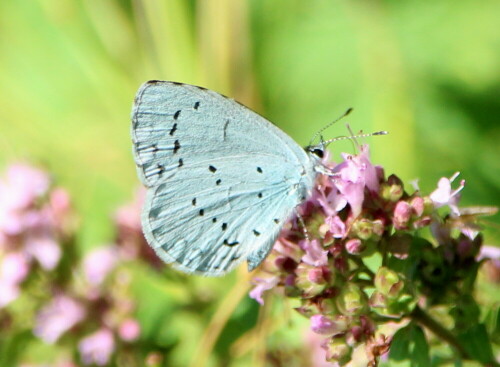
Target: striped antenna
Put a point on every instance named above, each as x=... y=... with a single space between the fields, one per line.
x=348 y=111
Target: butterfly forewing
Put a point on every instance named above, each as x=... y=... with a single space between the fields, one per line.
x=221 y=179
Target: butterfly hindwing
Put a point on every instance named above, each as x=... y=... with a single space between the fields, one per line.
x=221 y=179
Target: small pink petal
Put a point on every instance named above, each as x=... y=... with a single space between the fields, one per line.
x=97 y=348
x=98 y=263
x=129 y=330
x=58 y=317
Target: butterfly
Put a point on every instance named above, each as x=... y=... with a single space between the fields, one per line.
x=221 y=180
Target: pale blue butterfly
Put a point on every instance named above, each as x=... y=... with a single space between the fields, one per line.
x=221 y=180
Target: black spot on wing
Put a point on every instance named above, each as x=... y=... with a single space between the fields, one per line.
x=259 y=169
x=196 y=105
x=218 y=182
x=193 y=201
x=173 y=129
x=230 y=244
x=202 y=212
x=177 y=146
x=176 y=115
x=255 y=232
x=212 y=169
x=181 y=162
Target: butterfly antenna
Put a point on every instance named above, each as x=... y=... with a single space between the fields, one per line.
x=353 y=137
x=348 y=111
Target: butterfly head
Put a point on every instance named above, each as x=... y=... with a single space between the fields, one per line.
x=316 y=151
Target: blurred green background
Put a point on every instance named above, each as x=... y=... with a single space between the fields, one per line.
x=428 y=72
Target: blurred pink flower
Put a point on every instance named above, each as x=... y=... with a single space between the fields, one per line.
x=97 y=347
x=262 y=285
x=8 y=293
x=58 y=317
x=130 y=215
x=14 y=268
x=323 y=325
x=21 y=186
x=98 y=263
x=444 y=195
x=316 y=351
x=44 y=248
x=129 y=330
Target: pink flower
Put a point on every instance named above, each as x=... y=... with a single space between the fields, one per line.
x=356 y=173
x=130 y=215
x=14 y=268
x=489 y=252
x=316 y=351
x=8 y=293
x=98 y=263
x=129 y=330
x=44 y=248
x=323 y=325
x=337 y=227
x=444 y=195
x=58 y=317
x=328 y=197
x=97 y=347
x=315 y=254
x=262 y=285
x=23 y=184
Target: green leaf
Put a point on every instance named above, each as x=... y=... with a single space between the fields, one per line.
x=476 y=342
x=420 y=351
x=410 y=343
x=399 y=346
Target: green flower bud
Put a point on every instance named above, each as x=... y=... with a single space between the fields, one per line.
x=352 y=300
x=388 y=283
x=393 y=189
x=310 y=280
x=362 y=228
x=338 y=351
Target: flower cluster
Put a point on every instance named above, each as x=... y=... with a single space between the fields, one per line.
x=363 y=261
x=33 y=222
x=87 y=302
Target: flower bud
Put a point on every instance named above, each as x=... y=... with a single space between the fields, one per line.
x=338 y=351
x=378 y=227
x=362 y=228
x=352 y=300
x=417 y=204
x=378 y=300
x=402 y=215
x=355 y=246
x=311 y=280
x=323 y=325
x=393 y=189
x=388 y=283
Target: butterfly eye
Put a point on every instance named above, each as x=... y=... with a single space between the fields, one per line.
x=318 y=152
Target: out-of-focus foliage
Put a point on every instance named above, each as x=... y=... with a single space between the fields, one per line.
x=428 y=72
